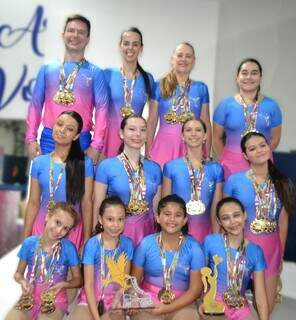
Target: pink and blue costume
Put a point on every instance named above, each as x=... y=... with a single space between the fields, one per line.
x=167 y=144
x=68 y=258
x=230 y=115
x=254 y=258
x=92 y=256
x=111 y=172
x=177 y=172
x=240 y=187
x=90 y=92
x=116 y=101
x=147 y=256
x=40 y=172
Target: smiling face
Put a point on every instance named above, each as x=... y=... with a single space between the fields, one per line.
x=130 y=46
x=183 y=59
x=65 y=130
x=76 y=36
x=171 y=218
x=134 y=134
x=257 y=150
x=249 y=77
x=113 y=220
x=232 y=218
x=193 y=133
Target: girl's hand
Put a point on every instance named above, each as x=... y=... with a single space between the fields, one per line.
x=27 y=288
x=58 y=286
x=159 y=309
x=201 y=311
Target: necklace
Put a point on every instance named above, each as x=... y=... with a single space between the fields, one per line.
x=128 y=93
x=53 y=188
x=250 y=116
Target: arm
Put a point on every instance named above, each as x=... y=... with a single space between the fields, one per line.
x=166 y=187
x=90 y=292
x=156 y=199
x=217 y=197
x=193 y=292
x=218 y=144
x=260 y=295
x=74 y=282
x=32 y=207
x=86 y=207
x=283 y=227
x=205 y=116
x=151 y=124
x=100 y=192
x=19 y=277
x=275 y=137
x=138 y=273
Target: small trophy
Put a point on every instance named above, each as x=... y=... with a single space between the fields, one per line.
x=130 y=296
x=211 y=306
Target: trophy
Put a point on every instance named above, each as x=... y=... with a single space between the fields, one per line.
x=130 y=295
x=211 y=306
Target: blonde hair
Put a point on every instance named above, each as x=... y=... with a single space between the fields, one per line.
x=66 y=207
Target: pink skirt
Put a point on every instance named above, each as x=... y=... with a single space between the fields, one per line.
x=233 y=162
x=112 y=140
x=108 y=298
x=272 y=249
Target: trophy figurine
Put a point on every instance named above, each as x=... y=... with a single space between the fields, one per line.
x=211 y=306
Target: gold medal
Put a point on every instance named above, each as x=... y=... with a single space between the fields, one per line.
x=64 y=97
x=136 y=206
x=233 y=299
x=50 y=204
x=166 y=296
x=126 y=111
x=171 y=117
x=47 y=302
x=263 y=226
x=25 y=303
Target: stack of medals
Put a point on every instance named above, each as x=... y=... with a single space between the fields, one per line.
x=250 y=116
x=182 y=101
x=235 y=273
x=65 y=94
x=25 y=302
x=101 y=305
x=47 y=302
x=128 y=93
x=52 y=188
x=137 y=203
x=265 y=204
x=166 y=294
x=195 y=206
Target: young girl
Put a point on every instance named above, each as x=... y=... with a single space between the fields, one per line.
x=108 y=242
x=63 y=175
x=48 y=258
x=167 y=265
x=268 y=198
x=197 y=181
x=239 y=261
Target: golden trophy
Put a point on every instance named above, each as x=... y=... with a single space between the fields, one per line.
x=211 y=306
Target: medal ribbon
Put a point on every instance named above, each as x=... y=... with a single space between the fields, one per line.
x=196 y=179
x=67 y=84
x=236 y=267
x=128 y=92
x=168 y=272
x=266 y=198
x=182 y=99
x=136 y=178
x=250 y=116
x=53 y=188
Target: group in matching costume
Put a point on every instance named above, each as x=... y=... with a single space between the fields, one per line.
x=181 y=220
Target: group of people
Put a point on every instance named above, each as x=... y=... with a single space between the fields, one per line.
x=173 y=211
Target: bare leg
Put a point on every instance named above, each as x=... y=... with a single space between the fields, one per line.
x=189 y=312
x=14 y=314
x=80 y=312
x=147 y=316
x=271 y=287
x=56 y=315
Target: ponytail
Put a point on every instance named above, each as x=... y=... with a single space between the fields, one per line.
x=168 y=84
x=146 y=81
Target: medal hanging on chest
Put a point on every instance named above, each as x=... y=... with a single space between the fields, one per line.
x=250 y=116
x=180 y=109
x=65 y=95
x=53 y=188
x=128 y=93
x=195 y=206
x=265 y=206
x=166 y=294
x=235 y=273
x=137 y=203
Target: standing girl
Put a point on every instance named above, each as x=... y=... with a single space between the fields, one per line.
x=48 y=258
x=246 y=111
x=236 y=260
x=197 y=181
x=136 y=180
x=177 y=98
x=167 y=265
x=130 y=87
x=63 y=175
x=95 y=299
x=268 y=198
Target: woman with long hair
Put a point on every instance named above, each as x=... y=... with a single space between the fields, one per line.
x=268 y=197
x=177 y=98
x=65 y=174
x=246 y=111
x=130 y=87
x=196 y=180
